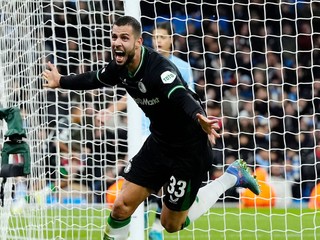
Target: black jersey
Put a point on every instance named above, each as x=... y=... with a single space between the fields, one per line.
x=159 y=90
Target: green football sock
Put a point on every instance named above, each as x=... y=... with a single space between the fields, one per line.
x=117 y=229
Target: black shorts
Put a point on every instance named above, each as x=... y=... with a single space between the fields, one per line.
x=180 y=170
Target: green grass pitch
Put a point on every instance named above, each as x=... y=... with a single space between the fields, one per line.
x=228 y=223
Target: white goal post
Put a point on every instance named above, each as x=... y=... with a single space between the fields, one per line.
x=255 y=66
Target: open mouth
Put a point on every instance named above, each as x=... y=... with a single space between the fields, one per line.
x=119 y=55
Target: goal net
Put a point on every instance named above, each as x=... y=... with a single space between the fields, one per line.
x=21 y=44
x=255 y=66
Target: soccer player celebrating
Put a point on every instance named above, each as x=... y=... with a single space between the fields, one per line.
x=162 y=42
x=178 y=152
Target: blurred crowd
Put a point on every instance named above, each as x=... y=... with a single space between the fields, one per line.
x=256 y=67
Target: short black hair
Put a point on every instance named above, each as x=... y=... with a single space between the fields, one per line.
x=165 y=26
x=169 y=28
x=131 y=21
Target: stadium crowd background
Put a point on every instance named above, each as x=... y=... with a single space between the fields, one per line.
x=256 y=67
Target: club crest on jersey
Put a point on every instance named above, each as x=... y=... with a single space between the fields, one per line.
x=168 y=77
x=142 y=87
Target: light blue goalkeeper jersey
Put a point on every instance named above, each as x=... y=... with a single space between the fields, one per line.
x=185 y=70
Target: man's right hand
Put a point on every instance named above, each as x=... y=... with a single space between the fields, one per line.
x=52 y=76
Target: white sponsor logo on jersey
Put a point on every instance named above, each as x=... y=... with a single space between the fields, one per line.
x=168 y=77
x=146 y=101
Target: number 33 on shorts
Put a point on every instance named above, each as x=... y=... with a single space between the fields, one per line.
x=176 y=189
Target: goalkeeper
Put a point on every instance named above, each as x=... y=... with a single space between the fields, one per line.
x=178 y=152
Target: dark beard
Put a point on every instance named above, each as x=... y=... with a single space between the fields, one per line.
x=130 y=57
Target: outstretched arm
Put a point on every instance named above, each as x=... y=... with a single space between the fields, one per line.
x=196 y=112
x=83 y=81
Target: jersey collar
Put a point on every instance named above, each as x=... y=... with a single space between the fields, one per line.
x=140 y=63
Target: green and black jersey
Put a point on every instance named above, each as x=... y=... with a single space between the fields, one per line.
x=159 y=90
